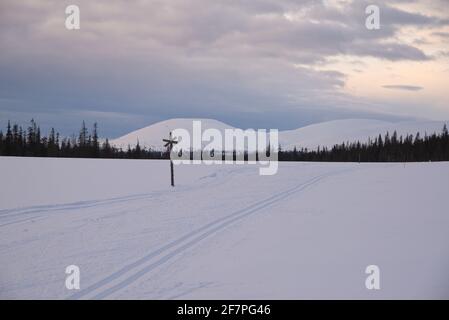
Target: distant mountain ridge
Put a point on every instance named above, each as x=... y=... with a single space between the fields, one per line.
x=325 y=134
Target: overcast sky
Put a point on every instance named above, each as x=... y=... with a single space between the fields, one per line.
x=260 y=63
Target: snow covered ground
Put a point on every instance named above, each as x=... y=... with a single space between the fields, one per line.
x=223 y=231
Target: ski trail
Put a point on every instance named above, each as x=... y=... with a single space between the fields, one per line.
x=7 y=213
x=19 y=215
x=185 y=242
x=48 y=209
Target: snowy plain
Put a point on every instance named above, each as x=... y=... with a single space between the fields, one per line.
x=224 y=231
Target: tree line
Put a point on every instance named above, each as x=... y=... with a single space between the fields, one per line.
x=30 y=142
x=389 y=148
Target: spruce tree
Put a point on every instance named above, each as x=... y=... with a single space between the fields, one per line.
x=95 y=143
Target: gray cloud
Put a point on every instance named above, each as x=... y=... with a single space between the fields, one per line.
x=403 y=87
x=444 y=35
x=231 y=60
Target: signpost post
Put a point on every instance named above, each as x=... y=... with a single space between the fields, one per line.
x=169 y=144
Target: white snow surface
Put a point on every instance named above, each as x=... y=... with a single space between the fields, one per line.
x=223 y=232
x=325 y=134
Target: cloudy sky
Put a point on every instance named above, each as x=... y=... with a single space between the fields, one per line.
x=250 y=63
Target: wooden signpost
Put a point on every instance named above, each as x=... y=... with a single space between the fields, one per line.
x=169 y=144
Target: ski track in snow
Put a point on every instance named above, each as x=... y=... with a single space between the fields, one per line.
x=128 y=274
x=45 y=210
x=8 y=213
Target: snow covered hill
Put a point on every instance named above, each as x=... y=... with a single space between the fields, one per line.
x=320 y=134
x=351 y=130
x=151 y=136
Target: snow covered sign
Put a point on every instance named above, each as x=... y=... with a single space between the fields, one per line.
x=169 y=144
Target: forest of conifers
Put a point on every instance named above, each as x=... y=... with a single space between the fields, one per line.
x=30 y=142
